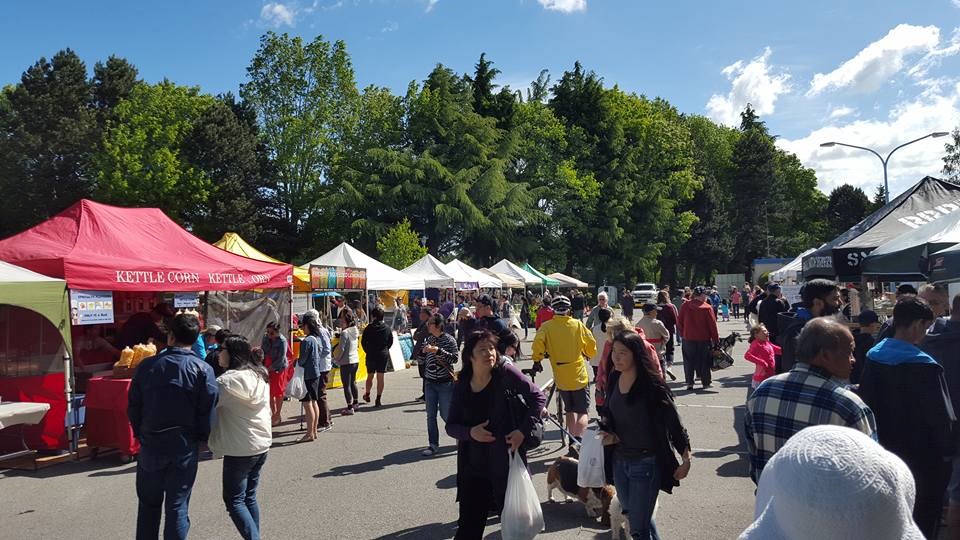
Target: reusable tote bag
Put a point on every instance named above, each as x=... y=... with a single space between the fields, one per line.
x=522 y=517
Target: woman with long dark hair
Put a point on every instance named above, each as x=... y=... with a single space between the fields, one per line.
x=641 y=419
x=493 y=409
x=315 y=359
x=242 y=433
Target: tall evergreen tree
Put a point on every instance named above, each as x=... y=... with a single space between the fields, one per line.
x=753 y=183
x=848 y=205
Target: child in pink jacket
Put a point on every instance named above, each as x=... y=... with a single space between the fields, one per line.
x=762 y=353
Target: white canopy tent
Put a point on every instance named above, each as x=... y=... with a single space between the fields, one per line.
x=508 y=268
x=433 y=272
x=567 y=281
x=463 y=272
x=505 y=280
x=380 y=277
x=792 y=271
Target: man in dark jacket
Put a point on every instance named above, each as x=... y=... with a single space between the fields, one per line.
x=942 y=343
x=907 y=392
x=170 y=406
x=509 y=344
x=819 y=298
x=626 y=304
x=770 y=308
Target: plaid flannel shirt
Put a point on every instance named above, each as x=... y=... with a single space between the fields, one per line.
x=785 y=404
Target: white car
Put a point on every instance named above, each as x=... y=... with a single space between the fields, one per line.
x=644 y=293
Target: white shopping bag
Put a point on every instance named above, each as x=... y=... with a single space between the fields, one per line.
x=296 y=388
x=590 y=472
x=522 y=517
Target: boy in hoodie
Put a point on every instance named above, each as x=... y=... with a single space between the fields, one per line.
x=907 y=392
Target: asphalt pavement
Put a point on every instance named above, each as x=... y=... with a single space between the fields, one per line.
x=366 y=479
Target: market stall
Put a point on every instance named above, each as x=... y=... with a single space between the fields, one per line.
x=906 y=257
x=463 y=272
x=234 y=243
x=508 y=268
x=433 y=273
x=35 y=349
x=567 y=282
x=123 y=265
x=792 y=272
x=545 y=280
x=506 y=281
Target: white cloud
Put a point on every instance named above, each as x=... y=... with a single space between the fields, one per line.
x=934 y=58
x=840 y=112
x=935 y=109
x=432 y=3
x=564 y=6
x=276 y=14
x=754 y=83
x=391 y=26
x=879 y=61
x=956 y=3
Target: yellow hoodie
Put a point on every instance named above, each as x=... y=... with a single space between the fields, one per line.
x=568 y=342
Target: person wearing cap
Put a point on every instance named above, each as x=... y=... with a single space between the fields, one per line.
x=569 y=343
x=656 y=333
x=834 y=483
x=770 y=309
x=812 y=393
x=819 y=298
x=698 y=328
x=907 y=391
x=508 y=343
x=863 y=341
x=145 y=326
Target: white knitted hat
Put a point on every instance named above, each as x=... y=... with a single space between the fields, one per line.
x=834 y=483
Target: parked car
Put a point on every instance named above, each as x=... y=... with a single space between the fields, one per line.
x=644 y=293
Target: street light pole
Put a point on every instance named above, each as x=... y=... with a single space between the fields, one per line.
x=885 y=161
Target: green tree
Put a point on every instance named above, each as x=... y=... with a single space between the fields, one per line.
x=113 y=81
x=400 y=246
x=951 y=158
x=225 y=148
x=305 y=97
x=797 y=220
x=753 y=181
x=141 y=163
x=48 y=132
x=879 y=198
x=847 y=206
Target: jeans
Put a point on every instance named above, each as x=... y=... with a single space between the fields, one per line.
x=697 y=360
x=348 y=376
x=164 y=484
x=437 y=395
x=638 y=483
x=736 y=311
x=241 y=475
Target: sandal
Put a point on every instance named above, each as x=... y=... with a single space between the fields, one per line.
x=366 y=397
x=307 y=438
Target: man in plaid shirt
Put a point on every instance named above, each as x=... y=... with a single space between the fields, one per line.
x=809 y=394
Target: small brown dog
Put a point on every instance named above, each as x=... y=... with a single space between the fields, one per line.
x=562 y=475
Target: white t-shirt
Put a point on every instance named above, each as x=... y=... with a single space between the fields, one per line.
x=601 y=337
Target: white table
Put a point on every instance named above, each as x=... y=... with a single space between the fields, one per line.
x=15 y=413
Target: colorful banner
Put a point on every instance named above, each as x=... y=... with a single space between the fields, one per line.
x=91 y=307
x=337 y=278
x=468 y=286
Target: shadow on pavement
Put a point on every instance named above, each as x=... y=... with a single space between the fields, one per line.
x=740 y=467
x=402 y=457
x=739 y=381
x=431 y=531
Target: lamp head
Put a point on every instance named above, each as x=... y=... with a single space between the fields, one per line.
x=828 y=144
x=936 y=134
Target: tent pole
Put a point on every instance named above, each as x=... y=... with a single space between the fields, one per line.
x=68 y=391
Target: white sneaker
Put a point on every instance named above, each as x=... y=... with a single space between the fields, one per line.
x=429 y=451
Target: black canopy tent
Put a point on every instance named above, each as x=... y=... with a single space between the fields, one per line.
x=906 y=257
x=925 y=202
x=945 y=265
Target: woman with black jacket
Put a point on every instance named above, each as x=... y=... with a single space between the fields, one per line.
x=376 y=340
x=487 y=418
x=640 y=418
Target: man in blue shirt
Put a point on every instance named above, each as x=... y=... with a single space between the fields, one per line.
x=171 y=404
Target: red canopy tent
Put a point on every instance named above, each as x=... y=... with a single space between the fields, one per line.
x=95 y=246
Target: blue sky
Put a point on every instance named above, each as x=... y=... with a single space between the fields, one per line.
x=872 y=73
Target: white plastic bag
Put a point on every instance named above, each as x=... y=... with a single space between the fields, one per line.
x=522 y=517
x=296 y=388
x=590 y=472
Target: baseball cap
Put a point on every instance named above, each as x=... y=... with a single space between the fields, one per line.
x=648 y=307
x=773 y=287
x=698 y=291
x=867 y=316
x=485 y=300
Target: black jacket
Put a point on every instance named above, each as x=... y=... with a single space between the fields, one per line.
x=943 y=343
x=862 y=343
x=769 y=310
x=790 y=324
x=502 y=331
x=669 y=434
x=376 y=341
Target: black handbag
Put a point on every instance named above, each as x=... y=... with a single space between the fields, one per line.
x=518 y=411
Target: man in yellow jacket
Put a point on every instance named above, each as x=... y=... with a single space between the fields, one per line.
x=568 y=343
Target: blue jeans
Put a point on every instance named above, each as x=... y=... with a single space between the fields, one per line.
x=437 y=395
x=241 y=475
x=164 y=483
x=638 y=483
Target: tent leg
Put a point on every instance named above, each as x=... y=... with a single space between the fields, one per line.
x=68 y=386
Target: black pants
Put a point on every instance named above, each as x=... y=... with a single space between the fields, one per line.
x=476 y=501
x=697 y=360
x=348 y=376
x=422 y=368
x=932 y=476
x=736 y=311
x=669 y=348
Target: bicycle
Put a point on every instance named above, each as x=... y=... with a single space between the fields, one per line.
x=570 y=441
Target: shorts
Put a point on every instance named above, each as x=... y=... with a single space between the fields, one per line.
x=316 y=388
x=576 y=401
x=376 y=364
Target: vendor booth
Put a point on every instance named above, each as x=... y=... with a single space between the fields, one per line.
x=434 y=274
x=792 y=272
x=506 y=281
x=35 y=347
x=567 y=282
x=944 y=265
x=126 y=265
x=927 y=201
x=234 y=243
x=508 y=268
x=545 y=280
x=906 y=257
x=463 y=272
